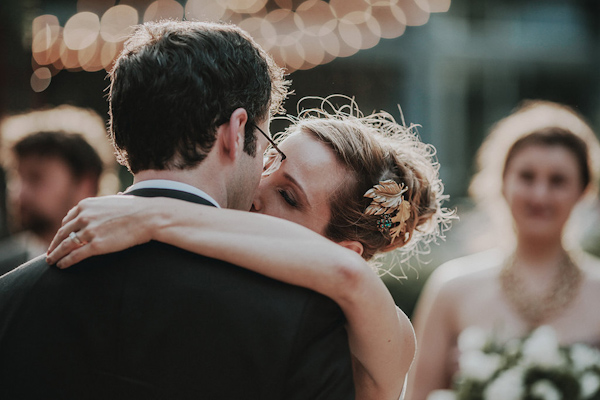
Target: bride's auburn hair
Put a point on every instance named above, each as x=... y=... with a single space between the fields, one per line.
x=373 y=149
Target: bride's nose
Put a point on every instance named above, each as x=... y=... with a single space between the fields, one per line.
x=256 y=204
x=260 y=196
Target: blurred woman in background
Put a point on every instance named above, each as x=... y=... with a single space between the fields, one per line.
x=536 y=165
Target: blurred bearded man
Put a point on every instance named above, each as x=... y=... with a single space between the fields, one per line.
x=55 y=161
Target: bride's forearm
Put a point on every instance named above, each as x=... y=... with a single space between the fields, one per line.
x=253 y=241
x=264 y=244
x=382 y=340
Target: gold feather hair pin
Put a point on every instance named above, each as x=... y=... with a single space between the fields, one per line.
x=388 y=201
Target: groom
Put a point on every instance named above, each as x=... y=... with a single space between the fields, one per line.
x=155 y=321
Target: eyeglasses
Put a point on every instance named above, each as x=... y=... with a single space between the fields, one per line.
x=283 y=156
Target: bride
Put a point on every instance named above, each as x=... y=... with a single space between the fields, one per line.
x=350 y=185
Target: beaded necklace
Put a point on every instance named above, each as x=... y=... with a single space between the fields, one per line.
x=536 y=309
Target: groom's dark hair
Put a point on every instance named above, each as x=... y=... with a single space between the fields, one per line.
x=175 y=82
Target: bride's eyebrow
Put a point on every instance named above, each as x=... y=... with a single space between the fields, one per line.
x=298 y=186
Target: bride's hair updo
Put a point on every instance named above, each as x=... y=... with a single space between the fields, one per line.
x=374 y=149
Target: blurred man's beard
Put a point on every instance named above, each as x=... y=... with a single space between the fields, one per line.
x=36 y=223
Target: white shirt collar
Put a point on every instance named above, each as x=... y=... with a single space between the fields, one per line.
x=174 y=185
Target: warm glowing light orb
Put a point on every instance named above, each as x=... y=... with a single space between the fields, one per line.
x=298 y=34
x=315 y=18
x=118 y=22
x=432 y=6
x=163 y=9
x=245 y=6
x=40 y=79
x=81 y=30
x=45 y=30
x=206 y=10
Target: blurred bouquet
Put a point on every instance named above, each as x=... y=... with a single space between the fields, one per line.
x=533 y=368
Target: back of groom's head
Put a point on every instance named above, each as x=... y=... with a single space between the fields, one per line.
x=175 y=82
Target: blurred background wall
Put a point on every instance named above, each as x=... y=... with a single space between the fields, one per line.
x=454 y=71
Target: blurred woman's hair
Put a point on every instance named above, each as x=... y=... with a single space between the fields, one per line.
x=532 y=122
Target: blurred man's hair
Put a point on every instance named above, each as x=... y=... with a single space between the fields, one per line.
x=75 y=135
x=71 y=148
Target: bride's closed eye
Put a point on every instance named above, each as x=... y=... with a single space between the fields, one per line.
x=288 y=198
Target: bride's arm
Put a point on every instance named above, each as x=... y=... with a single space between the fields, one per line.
x=381 y=338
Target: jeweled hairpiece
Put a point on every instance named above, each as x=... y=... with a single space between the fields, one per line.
x=391 y=205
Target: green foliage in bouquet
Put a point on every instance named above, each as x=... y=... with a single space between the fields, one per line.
x=566 y=384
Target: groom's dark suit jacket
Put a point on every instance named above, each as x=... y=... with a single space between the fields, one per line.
x=158 y=322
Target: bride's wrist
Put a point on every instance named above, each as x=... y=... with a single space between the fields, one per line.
x=155 y=219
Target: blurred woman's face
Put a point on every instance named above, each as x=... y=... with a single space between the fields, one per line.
x=300 y=188
x=542 y=184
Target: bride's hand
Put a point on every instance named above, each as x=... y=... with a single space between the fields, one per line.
x=101 y=225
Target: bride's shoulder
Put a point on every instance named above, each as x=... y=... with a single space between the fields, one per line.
x=479 y=263
x=468 y=270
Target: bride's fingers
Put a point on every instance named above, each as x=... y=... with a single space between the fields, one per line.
x=75 y=225
x=67 y=226
x=56 y=240
x=73 y=212
x=75 y=256
x=62 y=234
x=63 y=243
x=62 y=250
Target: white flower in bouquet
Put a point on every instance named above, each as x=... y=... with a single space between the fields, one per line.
x=477 y=365
x=472 y=338
x=589 y=383
x=441 y=395
x=513 y=347
x=544 y=389
x=508 y=386
x=542 y=349
x=584 y=357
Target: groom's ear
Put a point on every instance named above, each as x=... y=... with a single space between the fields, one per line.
x=231 y=134
x=352 y=245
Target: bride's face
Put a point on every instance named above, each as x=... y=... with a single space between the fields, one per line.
x=299 y=189
x=542 y=184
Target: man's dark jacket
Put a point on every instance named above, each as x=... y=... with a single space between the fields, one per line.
x=158 y=322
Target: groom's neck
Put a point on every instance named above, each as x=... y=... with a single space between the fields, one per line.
x=208 y=183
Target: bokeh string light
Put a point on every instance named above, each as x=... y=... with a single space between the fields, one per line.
x=299 y=34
